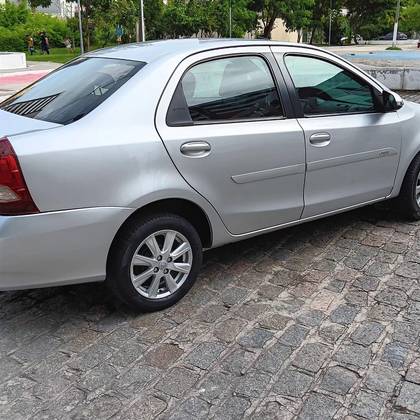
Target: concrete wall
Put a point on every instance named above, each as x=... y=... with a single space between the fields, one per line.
x=12 y=60
x=396 y=78
x=279 y=33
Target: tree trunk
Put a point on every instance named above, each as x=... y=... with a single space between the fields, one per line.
x=269 y=27
x=313 y=34
x=87 y=35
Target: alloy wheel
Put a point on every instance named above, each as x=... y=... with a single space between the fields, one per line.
x=161 y=264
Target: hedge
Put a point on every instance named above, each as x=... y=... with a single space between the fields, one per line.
x=14 y=36
x=12 y=40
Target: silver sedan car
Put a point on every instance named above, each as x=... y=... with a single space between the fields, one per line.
x=124 y=164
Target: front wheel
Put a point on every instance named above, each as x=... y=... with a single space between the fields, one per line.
x=154 y=262
x=409 y=199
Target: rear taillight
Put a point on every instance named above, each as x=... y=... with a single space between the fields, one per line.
x=15 y=198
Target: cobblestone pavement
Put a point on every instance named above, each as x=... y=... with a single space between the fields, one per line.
x=313 y=322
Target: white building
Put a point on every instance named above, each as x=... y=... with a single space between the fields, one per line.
x=59 y=8
x=280 y=33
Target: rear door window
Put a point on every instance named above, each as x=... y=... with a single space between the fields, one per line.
x=71 y=92
x=225 y=90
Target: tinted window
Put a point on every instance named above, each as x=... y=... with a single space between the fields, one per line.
x=325 y=88
x=227 y=89
x=74 y=90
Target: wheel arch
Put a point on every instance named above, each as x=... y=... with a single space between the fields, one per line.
x=179 y=206
x=403 y=172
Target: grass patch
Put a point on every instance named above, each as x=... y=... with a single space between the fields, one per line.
x=393 y=49
x=56 y=55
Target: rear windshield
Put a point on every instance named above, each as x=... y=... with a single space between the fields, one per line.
x=71 y=92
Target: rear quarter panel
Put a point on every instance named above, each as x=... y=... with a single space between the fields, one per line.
x=113 y=157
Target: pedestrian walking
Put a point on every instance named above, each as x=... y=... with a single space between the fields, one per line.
x=45 y=47
x=68 y=44
x=30 y=43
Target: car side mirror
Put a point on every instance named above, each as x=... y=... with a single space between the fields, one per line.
x=391 y=101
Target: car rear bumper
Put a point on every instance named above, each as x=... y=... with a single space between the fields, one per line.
x=57 y=248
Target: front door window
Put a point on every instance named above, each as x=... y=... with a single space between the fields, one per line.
x=324 y=88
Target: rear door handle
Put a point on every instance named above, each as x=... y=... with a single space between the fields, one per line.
x=320 y=139
x=196 y=149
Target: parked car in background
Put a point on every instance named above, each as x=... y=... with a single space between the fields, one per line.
x=126 y=163
x=356 y=39
x=390 y=36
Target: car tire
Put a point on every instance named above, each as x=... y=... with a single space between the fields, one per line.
x=409 y=198
x=142 y=270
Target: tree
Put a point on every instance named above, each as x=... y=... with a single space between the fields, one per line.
x=13 y=14
x=320 y=20
x=93 y=11
x=207 y=17
x=121 y=13
x=39 y=3
x=244 y=19
x=153 y=16
x=296 y=14
x=410 y=18
x=175 y=19
x=365 y=12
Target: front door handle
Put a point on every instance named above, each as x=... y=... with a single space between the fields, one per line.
x=320 y=139
x=196 y=149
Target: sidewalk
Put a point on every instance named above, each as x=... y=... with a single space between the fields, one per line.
x=366 y=48
x=12 y=81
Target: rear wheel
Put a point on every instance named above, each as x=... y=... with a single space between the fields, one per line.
x=409 y=199
x=154 y=262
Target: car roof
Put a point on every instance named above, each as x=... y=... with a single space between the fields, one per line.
x=152 y=50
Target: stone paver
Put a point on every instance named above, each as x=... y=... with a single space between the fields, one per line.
x=318 y=321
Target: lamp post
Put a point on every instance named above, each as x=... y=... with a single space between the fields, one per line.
x=82 y=48
x=397 y=18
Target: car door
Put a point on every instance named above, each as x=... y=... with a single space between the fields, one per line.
x=227 y=125
x=352 y=149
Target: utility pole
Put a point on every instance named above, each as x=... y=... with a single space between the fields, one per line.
x=230 y=18
x=142 y=35
x=82 y=48
x=329 y=29
x=397 y=18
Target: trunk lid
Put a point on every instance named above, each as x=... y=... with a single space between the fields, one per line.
x=12 y=124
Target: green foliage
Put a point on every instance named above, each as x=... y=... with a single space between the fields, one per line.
x=339 y=27
x=55 y=28
x=12 y=40
x=120 y=13
x=17 y=23
x=296 y=14
x=153 y=16
x=410 y=19
x=364 y=13
x=320 y=18
x=188 y=18
x=12 y=14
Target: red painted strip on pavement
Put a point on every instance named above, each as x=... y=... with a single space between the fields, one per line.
x=21 y=78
